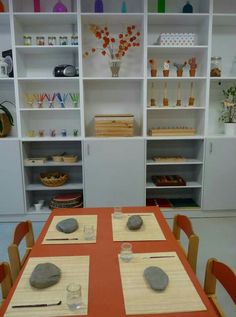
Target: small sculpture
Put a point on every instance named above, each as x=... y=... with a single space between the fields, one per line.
x=180 y=68
x=187 y=8
x=166 y=68
x=59 y=7
x=41 y=133
x=40 y=99
x=51 y=99
x=52 y=132
x=153 y=64
x=98 y=6
x=29 y=99
x=193 y=66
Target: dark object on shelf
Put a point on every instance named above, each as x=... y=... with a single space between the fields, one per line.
x=188 y=8
x=73 y=200
x=168 y=180
x=7 y=55
x=183 y=202
x=65 y=70
x=161 y=202
x=161 y=6
x=98 y=6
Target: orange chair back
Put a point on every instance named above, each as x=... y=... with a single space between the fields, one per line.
x=183 y=223
x=23 y=230
x=5 y=279
x=218 y=271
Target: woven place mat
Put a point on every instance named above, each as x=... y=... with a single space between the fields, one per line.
x=73 y=269
x=83 y=220
x=149 y=231
x=179 y=296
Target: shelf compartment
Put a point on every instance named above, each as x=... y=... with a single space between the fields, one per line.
x=150 y=185
x=112 y=6
x=226 y=6
x=45 y=18
x=176 y=6
x=5 y=19
x=46 y=6
x=45 y=49
x=68 y=186
x=185 y=162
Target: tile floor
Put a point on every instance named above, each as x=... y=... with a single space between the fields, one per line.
x=217 y=239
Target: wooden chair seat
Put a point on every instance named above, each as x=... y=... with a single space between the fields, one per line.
x=5 y=280
x=22 y=230
x=182 y=223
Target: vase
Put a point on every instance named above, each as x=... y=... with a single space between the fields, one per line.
x=59 y=7
x=36 y=5
x=124 y=7
x=161 y=6
x=230 y=128
x=98 y=6
x=166 y=73
x=153 y=72
x=187 y=8
x=192 y=72
x=179 y=72
x=115 y=67
x=2 y=8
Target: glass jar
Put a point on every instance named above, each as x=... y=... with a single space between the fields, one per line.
x=63 y=40
x=52 y=40
x=74 y=296
x=27 y=40
x=40 y=40
x=216 y=66
x=74 y=39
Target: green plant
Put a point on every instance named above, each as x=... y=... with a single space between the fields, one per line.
x=228 y=112
x=7 y=112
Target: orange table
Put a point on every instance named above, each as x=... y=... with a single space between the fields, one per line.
x=105 y=294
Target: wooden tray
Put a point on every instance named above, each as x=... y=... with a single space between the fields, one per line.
x=179 y=296
x=150 y=230
x=168 y=180
x=171 y=131
x=73 y=269
x=114 y=125
x=53 y=233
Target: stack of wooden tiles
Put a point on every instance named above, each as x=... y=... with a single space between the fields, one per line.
x=116 y=125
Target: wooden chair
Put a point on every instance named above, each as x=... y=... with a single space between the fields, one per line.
x=22 y=230
x=216 y=270
x=5 y=279
x=183 y=223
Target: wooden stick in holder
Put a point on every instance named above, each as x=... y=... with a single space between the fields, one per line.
x=165 y=98
x=191 y=99
x=152 y=95
x=178 y=101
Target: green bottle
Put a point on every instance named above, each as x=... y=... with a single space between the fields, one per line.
x=161 y=6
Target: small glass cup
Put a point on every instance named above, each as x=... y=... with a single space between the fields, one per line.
x=88 y=232
x=117 y=213
x=74 y=296
x=126 y=253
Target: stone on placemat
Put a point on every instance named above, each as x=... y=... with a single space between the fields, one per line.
x=45 y=275
x=134 y=222
x=68 y=225
x=156 y=278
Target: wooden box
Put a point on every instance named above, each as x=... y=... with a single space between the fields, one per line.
x=120 y=125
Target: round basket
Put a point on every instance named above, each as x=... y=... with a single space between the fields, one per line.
x=5 y=124
x=54 y=179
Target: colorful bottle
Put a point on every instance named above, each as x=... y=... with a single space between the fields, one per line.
x=59 y=7
x=124 y=7
x=188 y=8
x=98 y=6
x=161 y=6
x=2 y=8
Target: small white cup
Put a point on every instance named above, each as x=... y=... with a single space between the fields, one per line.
x=126 y=253
x=117 y=213
x=74 y=296
x=37 y=207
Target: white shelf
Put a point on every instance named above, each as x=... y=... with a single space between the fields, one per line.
x=224 y=19
x=68 y=186
x=111 y=18
x=225 y=78
x=174 y=108
x=192 y=137
x=43 y=210
x=50 y=109
x=42 y=139
x=4 y=18
x=52 y=164
x=186 y=162
x=32 y=18
x=6 y=80
x=178 y=78
x=46 y=49
x=40 y=79
x=177 y=18
x=151 y=185
x=112 y=78
x=193 y=49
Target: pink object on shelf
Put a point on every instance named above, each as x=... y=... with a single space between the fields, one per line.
x=59 y=7
x=36 y=5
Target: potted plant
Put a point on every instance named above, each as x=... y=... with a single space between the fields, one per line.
x=193 y=66
x=228 y=112
x=6 y=119
x=179 y=68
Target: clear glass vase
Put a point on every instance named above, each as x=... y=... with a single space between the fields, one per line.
x=115 y=67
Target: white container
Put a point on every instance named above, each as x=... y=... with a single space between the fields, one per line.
x=230 y=129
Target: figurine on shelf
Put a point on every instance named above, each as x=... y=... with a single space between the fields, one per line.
x=187 y=8
x=51 y=99
x=179 y=68
x=178 y=101
x=75 y=99
x=63 y=132
x=98 y=6
x=31 y=133
x=191 y=99
x=52 y=132
x=41 y=133
x=193 y=66
x=39 y=98
x=166 y=68
x=29 y=100
x=59 y=7
x=62 y=99
x=153 y=64
x=152 y=96
x=165 y=97
x=75 y=132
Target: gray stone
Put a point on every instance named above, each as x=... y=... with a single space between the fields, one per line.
x=156 y=278
x=45 y=275
x=134 y=222
x=68 y=225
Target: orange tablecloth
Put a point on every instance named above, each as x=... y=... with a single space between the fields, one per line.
x=105 y=289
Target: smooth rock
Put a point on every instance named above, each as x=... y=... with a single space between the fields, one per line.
x=156 y=278
x=45 y=275
x=68 y=225
x=134 y=222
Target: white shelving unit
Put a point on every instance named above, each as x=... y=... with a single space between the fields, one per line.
x=213 y=22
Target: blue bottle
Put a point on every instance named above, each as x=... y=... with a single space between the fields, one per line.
x=124 y=7
x=98 y=6
x=188 y=8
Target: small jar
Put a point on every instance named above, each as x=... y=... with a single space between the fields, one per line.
x=52 y=40
x=74 y=39
x=63 y=40
x=40 y=40
x=216 y=66
x=27 y=40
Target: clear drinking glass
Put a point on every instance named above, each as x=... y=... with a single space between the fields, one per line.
x=117 y=212
x=88 y=232
x=126 y=253
x=74 y=296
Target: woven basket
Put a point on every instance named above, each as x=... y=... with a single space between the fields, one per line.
x=54 y=179
x=6 y=126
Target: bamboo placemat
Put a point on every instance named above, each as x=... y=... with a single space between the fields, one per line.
x=179 y=296
x=83 y=220
x=149 y=231
x=73 y=269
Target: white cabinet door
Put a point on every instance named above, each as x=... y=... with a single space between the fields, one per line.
x=11 y=187
x=114 y=173
x=220 y=174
